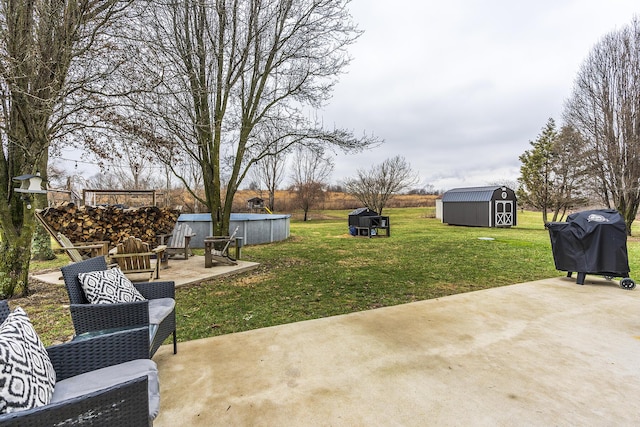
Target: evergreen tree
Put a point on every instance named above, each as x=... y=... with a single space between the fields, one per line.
x=536 y=171
x=551 y=177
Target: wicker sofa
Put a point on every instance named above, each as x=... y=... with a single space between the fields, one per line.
x=106 y=380
x=157 y=312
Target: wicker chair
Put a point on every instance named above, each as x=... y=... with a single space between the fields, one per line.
x=88 y=317
x=123 y=404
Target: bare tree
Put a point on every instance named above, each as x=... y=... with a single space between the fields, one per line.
x=569 y=173
x=135 y=169
x=376 y=186
x=130 y=172
x=310 y=172
x=40 y=41
x=269 y=172
x=500 y=182
x=227 y=73
x=604 y=108
x=193 y=183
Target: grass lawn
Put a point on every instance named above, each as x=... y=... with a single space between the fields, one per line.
x=322 y=271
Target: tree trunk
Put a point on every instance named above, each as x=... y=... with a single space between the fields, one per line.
x=629 y=210
x=272 y=200
x=16 y=222
x=41 y=244
x=15 y=250
x=14 y=268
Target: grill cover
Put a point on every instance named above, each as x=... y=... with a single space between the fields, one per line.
x=592 y=241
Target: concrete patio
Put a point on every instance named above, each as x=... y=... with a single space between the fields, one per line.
x=181 y=271
x=541 y=353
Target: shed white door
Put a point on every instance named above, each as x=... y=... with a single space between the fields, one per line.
x=504 y=213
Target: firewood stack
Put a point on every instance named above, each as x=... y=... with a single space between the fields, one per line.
x=110 y=223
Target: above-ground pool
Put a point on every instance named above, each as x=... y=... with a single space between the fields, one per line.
x=253 y=228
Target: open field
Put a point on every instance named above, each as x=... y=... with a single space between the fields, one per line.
x=322 y=271
x=285 y=201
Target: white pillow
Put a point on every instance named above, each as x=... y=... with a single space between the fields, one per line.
x=108 y=287
x=27 y=377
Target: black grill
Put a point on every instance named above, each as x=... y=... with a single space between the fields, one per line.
x=592 y=242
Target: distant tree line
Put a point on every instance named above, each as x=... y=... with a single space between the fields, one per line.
x=311 y=169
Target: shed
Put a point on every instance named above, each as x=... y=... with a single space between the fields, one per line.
x=255 y=203
x=439 y=208
x=493 y=206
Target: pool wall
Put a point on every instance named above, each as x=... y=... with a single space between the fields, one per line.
x=253 y=228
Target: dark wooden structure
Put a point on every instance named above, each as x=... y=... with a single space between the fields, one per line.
x=493 y=206
x=255 y=204
x=368 y=223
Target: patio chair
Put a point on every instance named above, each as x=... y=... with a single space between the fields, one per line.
x=134 y=256
x=157 y=311
x=73 y=249
x=179 y=241
x=211 y=254
x=105 y=380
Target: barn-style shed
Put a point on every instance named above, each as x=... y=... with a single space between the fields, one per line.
x=493 y=206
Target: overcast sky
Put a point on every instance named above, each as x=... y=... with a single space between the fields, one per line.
x=460 y=87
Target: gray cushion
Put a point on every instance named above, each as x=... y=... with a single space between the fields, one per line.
x=110 y=376
x=27 y=376
x=108 y=286
x=159 y=309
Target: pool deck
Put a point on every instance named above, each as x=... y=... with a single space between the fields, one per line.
x=541 y=353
